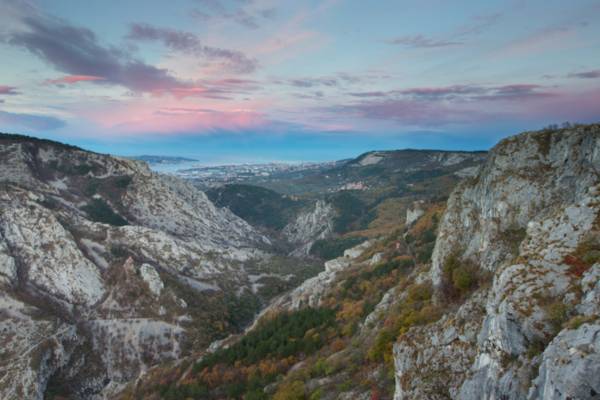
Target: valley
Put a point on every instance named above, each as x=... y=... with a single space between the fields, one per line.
x=395 y=275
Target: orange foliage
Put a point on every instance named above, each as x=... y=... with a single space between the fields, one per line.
x=350 y=310
x=337 y=345
x=426 y=221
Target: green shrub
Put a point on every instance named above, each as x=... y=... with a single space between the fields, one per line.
x=317 y=394
x=99 y=211
x=463 y=278
x=459 y=277
x=424 y=252
x=293 y=390
x=513 y=236
x=557 y=314
x=320 y=368
x=123 y=181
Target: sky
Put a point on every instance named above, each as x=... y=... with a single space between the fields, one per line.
x=232 y=81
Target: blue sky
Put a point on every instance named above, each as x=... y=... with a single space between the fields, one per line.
x=263 y=80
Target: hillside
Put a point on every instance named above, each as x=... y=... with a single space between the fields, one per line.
x=256 y=205
x=506 y=306
x=107 y=269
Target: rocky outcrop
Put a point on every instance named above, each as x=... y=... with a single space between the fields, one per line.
x=433 y=360
x=414 y=213
x=530 y=220
x=525 y=178
x=309 y=226
x=152 y=279
x=570 y=366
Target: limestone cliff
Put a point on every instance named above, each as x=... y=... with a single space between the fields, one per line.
x=530 y=221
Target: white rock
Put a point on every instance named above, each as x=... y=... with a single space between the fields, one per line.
x=309 y=226
x=570 y=366
x=152 y=278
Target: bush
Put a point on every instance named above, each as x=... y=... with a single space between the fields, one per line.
x=316 y=395
x=99 y=211
x=557 y=314
x=463 y=278
x=459 y=277
x=123 y=181
x=293 y=390
x=320 y=368
x=513 y=236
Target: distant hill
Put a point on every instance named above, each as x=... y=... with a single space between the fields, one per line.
x=257 y=205
x=162 y=159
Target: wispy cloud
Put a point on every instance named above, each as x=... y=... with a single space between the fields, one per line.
x=445 y=105
x=462 y=93
x=30 y=121
x=478 y=24
x=8 y=90
x=420 y=41
x=474 y=26
x=311 y=82
x=586 y=74
x=341 y=79
x=242 y=12
x=186 y=42
x=72 y=79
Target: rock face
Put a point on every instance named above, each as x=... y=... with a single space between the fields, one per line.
x=309 y=226
x=414 y=213
x=579 y=350
x=99 y=258
x=530 y=220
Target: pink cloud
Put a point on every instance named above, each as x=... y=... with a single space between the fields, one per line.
x=8 y=90
x=518 y=102
x=171 y=116
x=71 y=79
